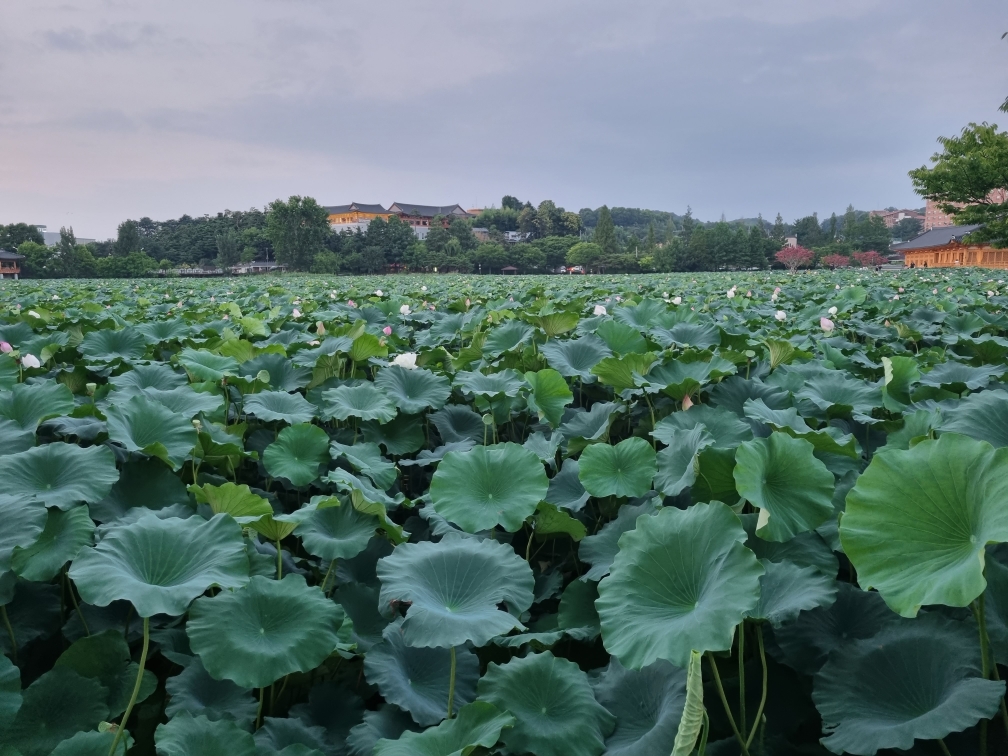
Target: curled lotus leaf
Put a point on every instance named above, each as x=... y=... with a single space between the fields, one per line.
x=186 y=735
x=147 y=426
x=477 y=725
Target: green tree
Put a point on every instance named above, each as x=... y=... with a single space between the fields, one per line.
x=651 y=242
x=809 y=232
x=605 y=233
x=553 y=249
x=227 y=247
x=489 y=257
x=907 y=228
x=667 y=256
x=127 y=239
x=689 y=225
x=587 y=254
x=777 y=232
x=298 y=229
x=39 y=261
x=16 y=234
x=511 y=203
x=964 y=177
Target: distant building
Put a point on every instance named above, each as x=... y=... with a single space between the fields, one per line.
x=483 y=234
x=419 y=217
x=258 y=266
x=515 y=237
x=10 y=264
x=892 y=217
x=354 y=217
x=944 y=247
x=791 y=241
x=934 y=217
x=52 y=238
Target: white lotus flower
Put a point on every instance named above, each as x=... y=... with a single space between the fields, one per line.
x=296 y=313
x=677 y=301
x=55 y=297
x=826 y=324
x=895 y=296
x=30 y=361
x=34 y=314
x=405 y=360
x=423 y=288
x=404 y=310
x=731 y=293
x=832 y=310
x=378 y=293
x=780 y=315
x=599 y=310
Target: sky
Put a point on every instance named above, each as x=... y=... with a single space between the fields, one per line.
x=116 y=109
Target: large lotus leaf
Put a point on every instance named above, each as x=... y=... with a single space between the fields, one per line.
x=576 y=614
x=24 y=519
x=185 y=400
x=808 y=641
x=621 y=338
x=280 y=406
x=575 y=358
x=156 y=331
x=914 y=680
x=418 y=679
x=549 y=395
x=829 y=439
x=679 y=462
x=106 y=345
x=837 y=395
x=682 y=379
x=33 y=612
x=147 y=426
x=506 y=337
x=917 y=521
x=506 y=383
x=10 y=691
x=457 y=424
x=185 y=735
x=555 y=712
x=162 y=565
x=339 y=532
x=28 y=405
x=565 y=489
x=105 y=657
x=65 y=534
x=793 y=489
x=699 y=335
x=599 y=550
x=267 y=629
x=489 y=486
x=733 y=393
x=958 y=377
x=335 y=708
x=725 y=426
x=9 y=376
x=364 y=401
x=477 y=725
x=805 y=549
x=94 y=743
x=983 y=415
x=366 y=457
x=61 y=475
x=297 y=454
x=413 y=391
x=454 y=588
x=290 y=737
x=284 y=375
x=55 y=706
x=202 y=365
x=153 y=376
x=647 y=703
x=143 y=482
x=13 y=438
x=899 y=376
x=195 y=692
x=625 y=469
x=583 y=428
x=624 y=372
x=787 y=589
x=682 y=581
x=237 y=501
x=388 y=722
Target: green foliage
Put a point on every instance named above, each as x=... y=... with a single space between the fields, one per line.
x=298 y=229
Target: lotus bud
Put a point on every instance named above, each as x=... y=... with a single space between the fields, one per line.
x=197 y=425
x=263 y=376
x=90 y=388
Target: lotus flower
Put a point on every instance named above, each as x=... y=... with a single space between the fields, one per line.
x=296 y=313
x=731 y=293
x=55 y=297
x=387 y=330
x=826 y=324
x=686 y=402
x=405 y=360
x=780 y=315
x=901 y=289
x=677 y=301
x=320 y=328
x=404 y=310
x=423 y=288
x=467 y=302
x=599 y=310
x=351 y=303
x=30 y=361
x=378 y=293
x=895 y=296
x=948 y=288
x=6 y=348
x=832 y=310
x=34 y=314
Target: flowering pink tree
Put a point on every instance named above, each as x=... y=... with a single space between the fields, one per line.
x=869 y=259
x=836 y=261
x=793 y=258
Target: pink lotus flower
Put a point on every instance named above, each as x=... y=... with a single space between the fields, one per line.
x=351 y=303
x=5 y=347
x=686 y=402
x=826 y=324
x=387 y=330
x=296 y=313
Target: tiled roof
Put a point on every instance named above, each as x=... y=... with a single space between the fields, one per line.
x=358 y=206
x=426 y=211
x=936 y=237
x=5 y=255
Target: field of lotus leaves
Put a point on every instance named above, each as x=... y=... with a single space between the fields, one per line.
x=744 y=513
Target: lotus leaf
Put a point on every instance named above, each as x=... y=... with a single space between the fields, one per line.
x=625 y=469
x=147 y=426
x=337 y=532
x=273 y=406
x=160 y=566
x=185 y=735
x=478 y=724
x=413 y=391
x=202 y=365
x=550 y=394
x=366 y=457
x=106 y=345
x=28 y=405
x=489 y=486
x=105 y=657
x=65 y=534
x=193 y=691
x=238 y=501
x=364 y=401
x=576 y=358
x=62 y=475
x=297 y=454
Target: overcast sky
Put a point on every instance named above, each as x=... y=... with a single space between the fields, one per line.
x=114 y=109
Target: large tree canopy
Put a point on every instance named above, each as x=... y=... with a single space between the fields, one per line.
x=298 y=229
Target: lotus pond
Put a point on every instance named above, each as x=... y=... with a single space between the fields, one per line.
x=438 y=516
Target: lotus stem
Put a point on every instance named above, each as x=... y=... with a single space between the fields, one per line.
x=136 y=687
x=704 y=732
x=262 y=694
x=451 y=685
x=279 y=560
x=332 y=563
x=759 y=712
x=724 y=702
x=10 y=633
x=741 y=678
x=73 y=599
x=945 y=750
